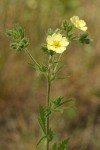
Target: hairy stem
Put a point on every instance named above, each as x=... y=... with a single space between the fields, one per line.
x=29 y=54
x=48 y=102
x=57 y=63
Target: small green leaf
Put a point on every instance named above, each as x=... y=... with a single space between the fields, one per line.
x=17 y=34
x=53 y=61
x=50 y=135
x=57 y=100
x=84 y=38
x=48 y=111
x=42 y=118
x=9 y=33
x=12 y=34
x=14 y=45
x=19 y=30
x=43 y=68
x=54 y=146
x=65 y=102
x=19 y=45
x=71 y=37
x=44 y=49
x=69 y=28
x=84 y=34
x=66 y=26
x=41 y=140
x=50 y=31
x=63 y=145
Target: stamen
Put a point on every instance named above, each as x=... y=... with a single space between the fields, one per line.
x=56 y=44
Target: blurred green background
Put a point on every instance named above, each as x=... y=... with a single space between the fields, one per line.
x=22 y=89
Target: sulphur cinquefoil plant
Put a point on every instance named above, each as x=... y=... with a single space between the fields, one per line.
x=57 y=41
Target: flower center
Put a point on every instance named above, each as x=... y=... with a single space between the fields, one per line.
x=56 y=44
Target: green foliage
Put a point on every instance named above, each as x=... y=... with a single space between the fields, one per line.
x=65 y=102
x=19 y=45
x=42 y=118
x=62 y=146
x=50 y=70
x=44 y=48
x=42 y=68
x=73 y=37
x=48 y=110
x=50 y=31
x=58 y=101
x=66 y=26
x=17 y=34
x=43 y=115
x=54 y=61
x=84 y=38
x=41 y=140
x=50 y=135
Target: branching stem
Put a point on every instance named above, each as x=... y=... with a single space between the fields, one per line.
x=30 y=55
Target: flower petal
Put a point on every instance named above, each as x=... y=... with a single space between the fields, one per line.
x=51 y=47
x=82 y=23
x=60 y=49
x=64 y=41
x=57 y=36
x=74 y=19
x=84 y=28
x=49 y=40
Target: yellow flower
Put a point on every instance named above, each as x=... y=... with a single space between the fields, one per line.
x=57 y=43
x=80 y=24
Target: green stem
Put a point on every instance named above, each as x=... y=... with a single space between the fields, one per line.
x=48 y=103
x=29 y=54
x=57 y=63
